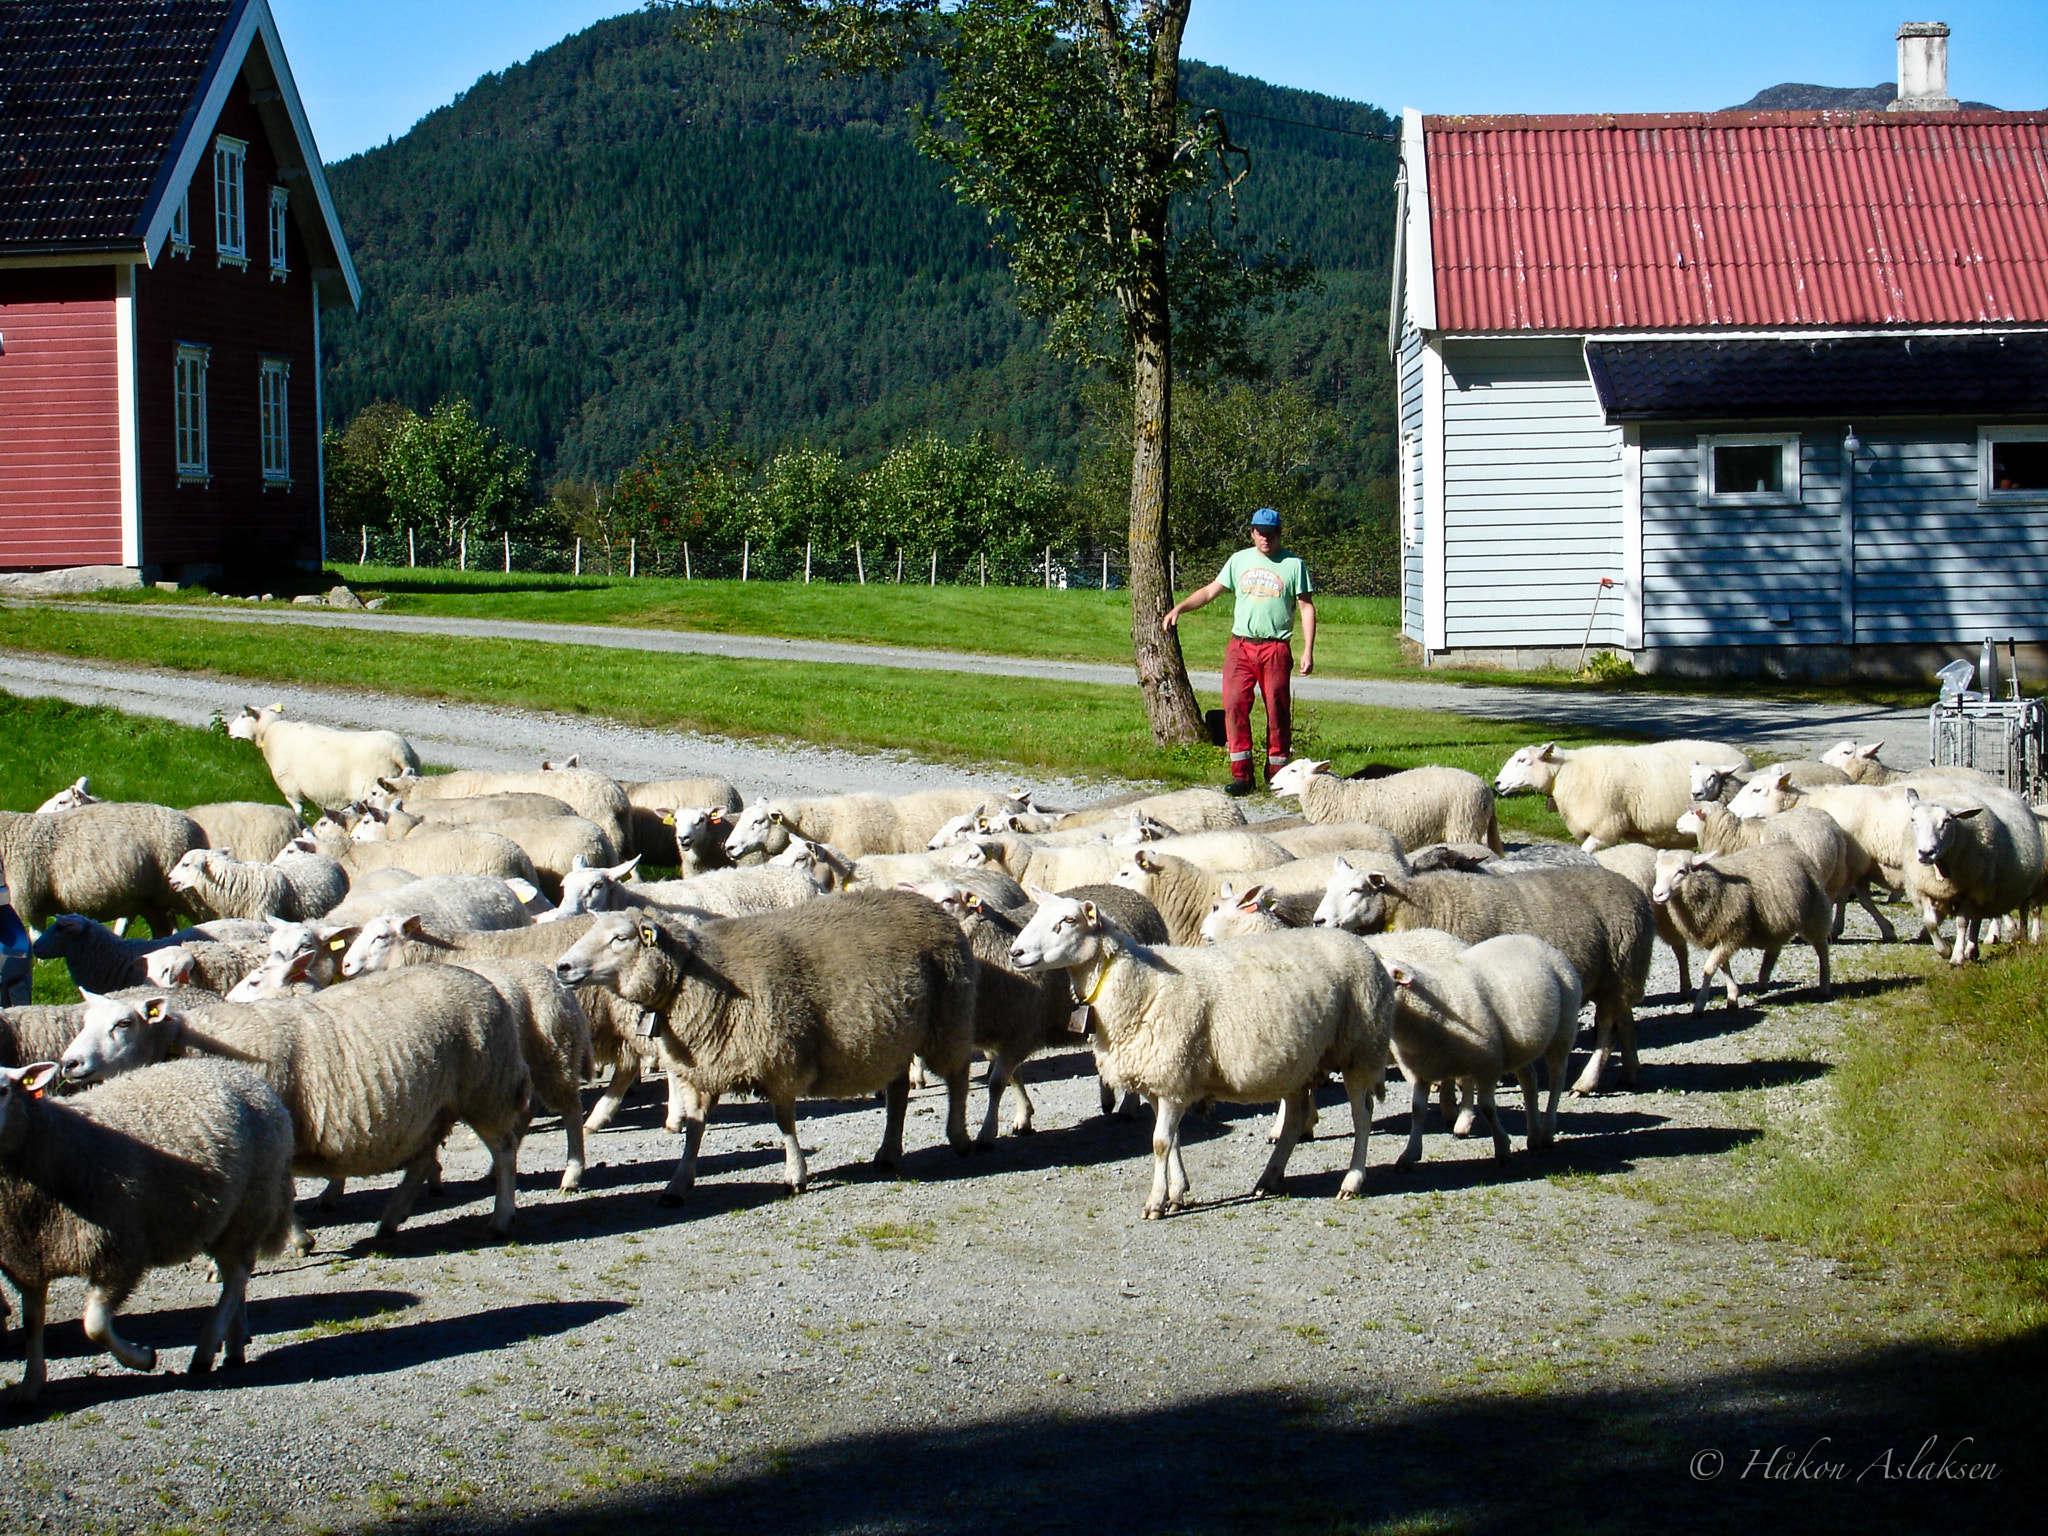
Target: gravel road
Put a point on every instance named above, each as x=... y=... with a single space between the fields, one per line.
x=1002 y=1344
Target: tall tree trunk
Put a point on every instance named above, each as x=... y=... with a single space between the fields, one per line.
x=1162 y=671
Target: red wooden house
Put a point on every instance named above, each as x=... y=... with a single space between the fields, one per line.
x=167 y=245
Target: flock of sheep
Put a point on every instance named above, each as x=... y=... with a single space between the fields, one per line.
x=473 y=947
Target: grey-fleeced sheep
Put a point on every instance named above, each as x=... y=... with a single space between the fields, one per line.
x=647 y=833
x=1598 y=919
x=255 y=830
x=466 y=810
x=857 y=825
x=1497 y=1007
x=1254 y=1021
x=1616 y=794
x=374 y=1074
x=1844 y=867
x=1637 y=864
x=297 y=887
x=1015 y=1016
x=1184 y=894
x=590 y=795
x=554 y=1036
x=186 y=1158
x=1313 y=841
x=318 y=763
x=40 y=1031
x=1421 y=805
x=109 y=860
x=1755 y=898
x=1970 y=862
x=831 y=999
x=101 y=960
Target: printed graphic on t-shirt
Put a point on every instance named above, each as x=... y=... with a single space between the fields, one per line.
x=1258 y=581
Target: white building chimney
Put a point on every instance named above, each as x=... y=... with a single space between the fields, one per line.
x=1923 y=69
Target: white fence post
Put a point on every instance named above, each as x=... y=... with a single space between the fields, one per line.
x=859 y=569
x=807 y=562
x=1048 y=567
x=984 y=567
x=462 y=546
x=508 y=554
x=365 y=560
x=411 y=557
x=633 y=558
x=686 y=559
x=579 y=554
x=899 y=565
x=746 y=556
x=1105 y=570
x=935 y=568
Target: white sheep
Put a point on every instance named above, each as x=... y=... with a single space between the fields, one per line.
x=109 y=860
x=1969 y=861
x=1184 y=810
x=318 y=763
x=554 y=844
x=698 y=838
x=1311 y=841
x=457 y=851
x=592 y=796
x=1495 y=1008
x=1616 y=794
x=1637 y=864
x=1185 y=894
x=450 y=903
x=724 y=892
x=1418 y=806
x=78 y=792
x=187 y=1158
x=1254 y=1021
x=374 y=1074
x=1755 y=898
x=832 y=999
x=650 y=800
x=1858 y=760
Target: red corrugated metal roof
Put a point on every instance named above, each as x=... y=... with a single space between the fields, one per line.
x=1763 y=219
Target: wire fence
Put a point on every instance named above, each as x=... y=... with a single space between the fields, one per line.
x=1088 y=567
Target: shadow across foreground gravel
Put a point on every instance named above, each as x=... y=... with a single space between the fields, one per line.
x=1697 y=1456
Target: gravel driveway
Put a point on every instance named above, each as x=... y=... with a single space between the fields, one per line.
x=1002 y=1344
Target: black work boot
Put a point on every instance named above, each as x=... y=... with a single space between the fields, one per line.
x=1239 y=788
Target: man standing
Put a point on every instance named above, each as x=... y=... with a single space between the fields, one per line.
x=1270 y=584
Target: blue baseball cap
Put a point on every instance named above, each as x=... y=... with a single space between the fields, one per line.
x=1265 y=517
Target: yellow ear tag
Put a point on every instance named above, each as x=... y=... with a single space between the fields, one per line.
x=647 y=935
x=668 y=821
x=337 y=945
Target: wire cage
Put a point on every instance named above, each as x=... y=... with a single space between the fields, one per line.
x=2005 y=737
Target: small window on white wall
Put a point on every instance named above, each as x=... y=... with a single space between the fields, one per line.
x=230 y=234
x=276 y=421
x=1409 y=489
x=2012 y=464
x=189 y=392
x=1749 y=469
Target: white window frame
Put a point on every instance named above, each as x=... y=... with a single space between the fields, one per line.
x=279 y=200
x=1787 y=444
x=274 y=426
x=181 y=225
x=188 y=395
x=1987 y=494
x=1410 y=485
x=230 y=220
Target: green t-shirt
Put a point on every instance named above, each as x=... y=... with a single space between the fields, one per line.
x=1266 y=590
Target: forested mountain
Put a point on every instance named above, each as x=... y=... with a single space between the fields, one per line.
x=630 y=230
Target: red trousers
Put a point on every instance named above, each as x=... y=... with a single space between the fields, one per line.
x=1265 y=665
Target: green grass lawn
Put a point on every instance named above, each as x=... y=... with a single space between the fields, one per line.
x=1070 y=729
x=1356 y=637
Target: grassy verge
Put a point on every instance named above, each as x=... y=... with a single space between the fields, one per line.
x=1357 y=636
x=1061 y=728
x=1932 y=1157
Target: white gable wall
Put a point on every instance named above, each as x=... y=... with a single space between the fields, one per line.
x=1532 y=497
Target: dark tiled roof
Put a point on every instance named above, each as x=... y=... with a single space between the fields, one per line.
x=94 y=96
x=1854 y=376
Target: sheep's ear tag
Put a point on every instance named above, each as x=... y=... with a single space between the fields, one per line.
x=154 y=1009
x=668 y=818
x=35 y=1079
x=648 y=936
x=716 y=816
x=336 y=946
x=650 y=1024
x=1081 y=1020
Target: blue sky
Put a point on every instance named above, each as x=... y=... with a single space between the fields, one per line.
x=370 y=69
